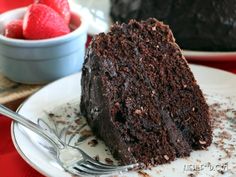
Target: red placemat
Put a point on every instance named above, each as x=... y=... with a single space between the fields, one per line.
x=9 y=4
x=11 y=163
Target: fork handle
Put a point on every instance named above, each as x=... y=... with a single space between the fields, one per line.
x=53 y=139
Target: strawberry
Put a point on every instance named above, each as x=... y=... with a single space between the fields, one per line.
x=60 y=6
x=42 y=22
x=14 y=29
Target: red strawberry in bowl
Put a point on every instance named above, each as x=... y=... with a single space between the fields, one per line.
x=60 y=6
x=42 y=22
x=27 y=56
x=14 y=29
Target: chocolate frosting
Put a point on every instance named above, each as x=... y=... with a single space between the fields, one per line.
x=197 y=25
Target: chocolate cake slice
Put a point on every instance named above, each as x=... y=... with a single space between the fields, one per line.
x=140 y=97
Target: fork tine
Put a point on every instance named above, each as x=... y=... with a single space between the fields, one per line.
x=113 y=167
x=93 y=167
x=92 y=161
x=85 y=170
x=76 y=172
x=102 y=165
x=99 y=164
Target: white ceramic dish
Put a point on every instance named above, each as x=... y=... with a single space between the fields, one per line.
x=42 y=61
x=54 y=98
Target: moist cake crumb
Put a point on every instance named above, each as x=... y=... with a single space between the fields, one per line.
x=141 y=100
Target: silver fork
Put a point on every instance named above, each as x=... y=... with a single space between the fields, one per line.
x=72 y=159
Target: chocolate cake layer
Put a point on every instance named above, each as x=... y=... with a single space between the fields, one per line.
x=140 y=97
x=196 y=26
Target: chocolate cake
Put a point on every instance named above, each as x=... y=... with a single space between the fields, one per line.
x=140 y=96
x=197 y=25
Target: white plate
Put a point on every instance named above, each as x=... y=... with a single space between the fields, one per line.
x=97 y=13
x=219 y=85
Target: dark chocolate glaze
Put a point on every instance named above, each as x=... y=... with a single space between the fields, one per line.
x=96 y=107
x=197 y=25
x=140 y=97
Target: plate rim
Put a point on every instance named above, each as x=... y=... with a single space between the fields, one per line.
x=210 y=52
x=213 y=56
x=15 y=124
x=22 y=154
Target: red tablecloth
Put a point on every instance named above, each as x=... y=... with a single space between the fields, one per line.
x=10 y=4
x=11 y=163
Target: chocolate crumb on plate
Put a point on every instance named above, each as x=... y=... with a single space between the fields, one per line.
x=143 y=174
x=221 y=172
x=86 y=133
x=93 y=142
x=191 y=175
x=51 y=114
x=97 y=158
x=109 y=161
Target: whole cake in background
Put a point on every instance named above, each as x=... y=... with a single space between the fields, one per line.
x=140 y=96
x=197 y=25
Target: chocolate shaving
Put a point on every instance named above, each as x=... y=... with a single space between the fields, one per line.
x=96 y=158
x=221 y=172
x=143 y=174
x=191 y=175
x=78 y=121
x=86 y=133
x=219 y=113
x=109 y=161
x=93 y=142
x=225 y=135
